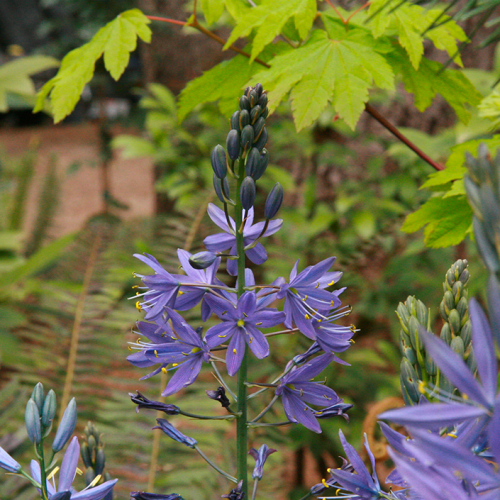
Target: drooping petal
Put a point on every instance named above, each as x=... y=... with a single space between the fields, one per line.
x=96 y=493
x=235 y=353
x=152 y=263
x=219 y=217
x=185 y=375
x=316 y=394
x=219 y=242
x=68 y=465
x=257 y=255
x=257 y=342
x=310 y=369
x=297 y=411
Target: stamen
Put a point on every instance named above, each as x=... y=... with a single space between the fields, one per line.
x=325 y=484
x=234 y=351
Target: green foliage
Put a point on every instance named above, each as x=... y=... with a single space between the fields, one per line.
x=17 y=90
x=115 y=40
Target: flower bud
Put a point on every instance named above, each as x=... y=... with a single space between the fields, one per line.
x=252 y=162
x=244 y=103
x=247 y=193
x=263 y=101
x=463 y=308
x=8 y=463
x=247 y=136
x=466 y=334
x=446 y=333
x=260 y=457
x=258 y=128
x=262 y=165
x=66 y=427
x=89 y=475
x=202 y=260
x=430 y=366
x=219 y=395
x=235 y=121
x=244 y=118
x=253 y=97
x=254 y=114
x=100 y=460
x=233 y=144
x=262 y=140
x=273 y=202
x=259 y=89
x=218 y=188
x=454 y=321
x=37 y=396
x=409 y=382
x=32 y=421
x=49 y=410
x=457 y=344
x=175 y=434
x=86 y=455
x=219 y=161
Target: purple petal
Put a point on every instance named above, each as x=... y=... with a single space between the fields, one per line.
x=219 y=242
x=152 y=263
x=218 y=334
x=316 y=394
x=185 y=375
x=36 y=475
x=232 y=265
x=494 y=306
x=309 y=370
x=330 y=279
x=235 y=353
x=301 y=322
x=198 y=274
x=293 y=273
x=96 y=493
x=484 y=349
x=256 y=229
x=68 y=465
x=494 y=432
x=206 y=311
x=189 y=299
x=185 y=332
x=246 y=305
x=454 y=368
x=219 y=217
x=140 y=360
x=257 y=342
x=268 y=318
x=356 y=462
x=297 y=411
x=257 y=255
x=314 y=273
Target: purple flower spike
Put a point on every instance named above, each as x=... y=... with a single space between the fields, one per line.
x=296 y=390
x=175 y=434
x=222 y=241
x=162 y=289
x=260 y=459
x=240 y=326
x=67 y=475
x=305 y=297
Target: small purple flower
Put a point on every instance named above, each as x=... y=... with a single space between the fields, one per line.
x=189 y=296
x=140 y=495
x=8 y=463
x=240 y=326
x=305 y=297
x=161 y=287
x=67 y=475
x=175 y=434
x=336 y=410
x=296 y=390
x=260 y=459
x=143 y=402
x=222 y=241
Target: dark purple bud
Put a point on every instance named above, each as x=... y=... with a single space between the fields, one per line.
x=258 y=128
x=252 y=162
x=219 y=185
x=236 y=493
x=247 y=193
x=143 y=402
x=219 y=395
x=244 y=118
x=262 y=165
x=32 y=421
x=262 y=140
x=254 y=114
x=233 y=144
x=258 y=88
x=202 y=260
x=338 y=409
x=253 y=97
x=86 y=455
x=62 y=495
x=66 y=427
x=244 y=103
x=49 y=409
x=90 y=475
x=175 y=434
x=219 y=163
x=247 y=136
x=100 y=461
x=235 y=121
x=273 y=202
x=247 y=91
x=265 y=113
x=302 y=358
x=140 y=495
x=37 y=396
x=263 y=101
x=260 y=459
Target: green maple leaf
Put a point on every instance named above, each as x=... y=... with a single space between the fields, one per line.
x=324 y=70
x=115 y=40
x=412 y=22
x=269 y=18
x=212 y=10
x=431 y=79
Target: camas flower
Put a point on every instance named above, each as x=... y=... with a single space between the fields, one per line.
x=260 y=457
x=67 y=475
x=227 y=240
x=305 y=297
x=8 y=463
x=240 y=326
x=296 y=390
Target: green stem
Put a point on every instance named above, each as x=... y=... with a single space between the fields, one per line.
x=209 y=462
x=255 y=486
x=241 y=424
x=43 y=473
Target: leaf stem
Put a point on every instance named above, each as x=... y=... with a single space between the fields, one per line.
x=218 y=376
x=167 y=20
x=255 y=486
x=209 y=462
x=265 y=410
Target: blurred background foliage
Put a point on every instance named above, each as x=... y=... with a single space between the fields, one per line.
x=347 y=194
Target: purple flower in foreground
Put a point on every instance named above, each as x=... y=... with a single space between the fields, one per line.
x=240 y=326
x=8 y=463
x=296 y=390
x=361 y=484
x=260 y=459
x=67 y=475
x=227 y=240
x=161 y=287
x=175 y=434
x=305 y=297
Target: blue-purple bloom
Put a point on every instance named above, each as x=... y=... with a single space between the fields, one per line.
x=305 y=297
x=240 y=326
x=67 y=475
x=175 y=434
x=8 y=463
x=220 y=242
x=296 y=390
x=260 y=457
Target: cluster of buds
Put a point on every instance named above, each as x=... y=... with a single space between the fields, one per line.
x=39 y=416
x=92 y=453
x=483 y=190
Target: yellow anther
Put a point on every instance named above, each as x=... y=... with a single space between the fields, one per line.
x=181 y=292
x=251 y=339
x=328 y=470
x=307 y=316
x=129 y=348
x=138 y=306
x=331 y=303
x=259 y=323
x=245 y=314
x=305 y=298
x=164 y=370
x=234 y=351
x=319 y=320
x=421 y=387
x=175 y=364
x=225 y=312
x=465 y=396
x=325 y=484
x=95 y=481
x=454 y=436
x=222 y=336
x=52 y=474
x=317 y=285
x=135 y=286
x=79 y=471
x=331 y=283
x=301 y=392
x=353 y=328
x=156 y=353
x=352 y=341
x=319 y=413
x=137 y=293
x=338 y=491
